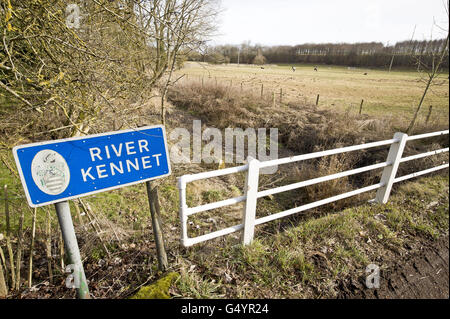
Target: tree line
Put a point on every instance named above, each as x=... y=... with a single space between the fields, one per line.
x=368 y=54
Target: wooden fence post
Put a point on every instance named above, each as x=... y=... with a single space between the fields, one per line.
x=389 y=172
x=317 y=100
x=361 y=107
x=251 y=190
x=429 y=114
x=152 y=193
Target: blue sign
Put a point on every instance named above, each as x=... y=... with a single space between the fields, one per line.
x=56 y=171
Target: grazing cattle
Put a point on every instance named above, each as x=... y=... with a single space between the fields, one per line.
x=293 y=69
x=262 y=68
x=365 y=73
x=315 y=68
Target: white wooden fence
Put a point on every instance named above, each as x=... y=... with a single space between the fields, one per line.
x=388 y=178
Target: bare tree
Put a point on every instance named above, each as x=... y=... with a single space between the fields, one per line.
x=432 y=69
x=178 y=27
x=61 y=65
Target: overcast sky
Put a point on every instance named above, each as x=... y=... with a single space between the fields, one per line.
x=290 y=22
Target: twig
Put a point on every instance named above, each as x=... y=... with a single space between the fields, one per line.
x=61 y=252
x=9 y=167
x=30 y=261
x=19 y=250
x=5 y=266
x=3 y=287
x=48 y=244
x=78 y=213
x=19 y=97
x=8 y=241
x=87 y=210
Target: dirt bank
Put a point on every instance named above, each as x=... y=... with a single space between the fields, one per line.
x=423 y=275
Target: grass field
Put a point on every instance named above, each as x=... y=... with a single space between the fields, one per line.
x=396 y=92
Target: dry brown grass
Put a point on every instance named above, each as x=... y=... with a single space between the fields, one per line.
x=384 y=93
x=304 y=128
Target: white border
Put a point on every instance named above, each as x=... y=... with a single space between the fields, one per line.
x=22 y=178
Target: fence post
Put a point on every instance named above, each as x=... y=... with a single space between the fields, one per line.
x=152 y=195
x=251 y=190
x=388 y=177
x=429 y=114
x=183 y=207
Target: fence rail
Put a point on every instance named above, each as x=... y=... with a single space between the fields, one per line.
x=388 y=178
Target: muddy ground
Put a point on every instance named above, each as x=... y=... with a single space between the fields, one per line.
x=422 y=275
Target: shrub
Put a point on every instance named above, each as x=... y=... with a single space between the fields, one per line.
x=259 y=60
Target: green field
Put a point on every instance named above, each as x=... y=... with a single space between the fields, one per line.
x=395 y=93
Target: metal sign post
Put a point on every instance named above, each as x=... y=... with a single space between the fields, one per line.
x=55 y=171
x=70 y=241
x=152 y=194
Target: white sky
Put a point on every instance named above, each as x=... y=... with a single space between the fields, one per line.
x=290 y=22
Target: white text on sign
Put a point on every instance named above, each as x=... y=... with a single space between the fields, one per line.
x=120 y=167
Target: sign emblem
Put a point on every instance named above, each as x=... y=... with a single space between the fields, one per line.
x=50 y=172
